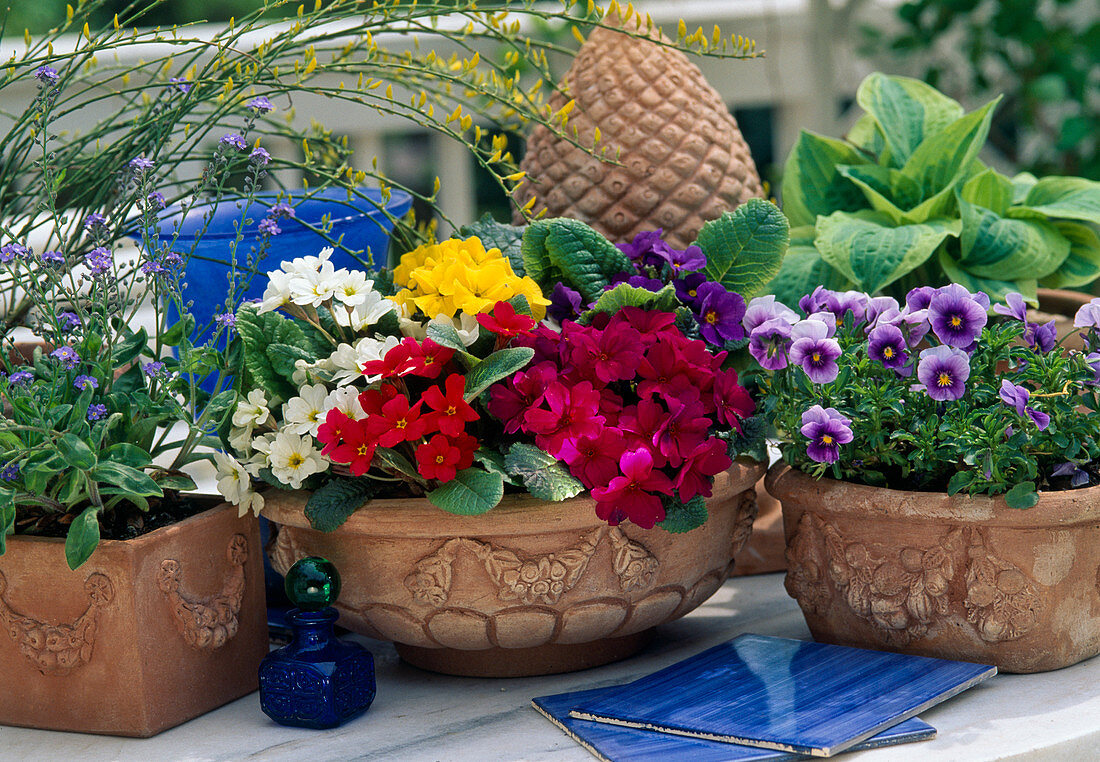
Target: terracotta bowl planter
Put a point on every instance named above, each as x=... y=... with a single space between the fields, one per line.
x=147 y=634
x=529 y=588
x=964 y=578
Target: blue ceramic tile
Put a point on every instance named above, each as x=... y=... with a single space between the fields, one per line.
x=613 y=743
x=789 y=695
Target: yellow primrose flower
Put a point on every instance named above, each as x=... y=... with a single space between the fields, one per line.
x=535 y=300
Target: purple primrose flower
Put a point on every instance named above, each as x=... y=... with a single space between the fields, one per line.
x=637 y=281
x=1017 y=397
x=815 y=351
x=826 y=429
x=943 y=371
x=687 y=289
x=642 y=244
x=886 y=343
x=957 y=317
x=688 y=260
x=720 y=313
x=769 y=343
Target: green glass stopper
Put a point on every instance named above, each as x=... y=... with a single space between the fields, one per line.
x=313 y=583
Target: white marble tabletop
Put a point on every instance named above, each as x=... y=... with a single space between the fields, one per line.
x=423 y=717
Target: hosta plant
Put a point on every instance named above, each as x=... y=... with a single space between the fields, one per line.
x=932 y=393
x=437 y=378
x=904 y=200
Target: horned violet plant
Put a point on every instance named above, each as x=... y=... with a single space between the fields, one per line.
x=933 y=393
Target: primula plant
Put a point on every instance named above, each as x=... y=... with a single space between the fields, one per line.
x=933 y=393
x=904 y=201
x=438 y=379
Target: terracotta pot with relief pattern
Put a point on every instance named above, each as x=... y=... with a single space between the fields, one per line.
x=956 y=577
x=147 y=634
x=529 y=588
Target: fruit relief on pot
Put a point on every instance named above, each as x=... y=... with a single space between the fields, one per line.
x=944 y=392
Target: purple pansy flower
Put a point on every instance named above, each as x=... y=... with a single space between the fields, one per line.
x=140 y=165
x=840 y=303
x=826 y=317
x=886 y=343
x=919 y=298
x=816 y=301
x=762 y=309
x=1014 y=307
x=47 y=75
x=688 y=260
x=1088 y=316
x=67 y=356
x=879 y=306
x=1017 y=397
x=687 y=289
x=1093 y=361
x=815 y=351
x=234 y=140
x=720 y=313
x=83 y=382
x=96 y=412
x=957 y=317
x=1042 y=337
x=261 y=105
x=769 y=343
x=20 y=378
x=826 y=429
x=565 y=303
x=943 y=371
x=1078 y=476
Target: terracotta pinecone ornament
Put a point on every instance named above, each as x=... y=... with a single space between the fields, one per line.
x=683 y=159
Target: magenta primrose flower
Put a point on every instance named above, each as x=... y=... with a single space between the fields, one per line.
x=1017 y=397
x=957 y=316
x=632 y=494
x=815 y=351
x=943 y=370
x=827 y=430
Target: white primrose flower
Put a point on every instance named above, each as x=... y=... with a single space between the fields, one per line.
x=365 y=314
x=307 y=266
x=305 y=413
x=235 y=484
x=294 y=459
x=354 y=288
x=277 y=293
x=262 y=444
x=258 y=461
x=252 y=411
x=305 y=372
x=346 y=400
x=347 y=361
x=466 y=326
x=316 y=288
x=240 y=438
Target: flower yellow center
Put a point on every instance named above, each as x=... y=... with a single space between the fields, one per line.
x=295 y=460
x=888 y=352
x=712 y=317
x=956 y=321
x=363 y=449
x=816 y=357
x=439 y=459
x=401 y=424
x=451 y=410
x=944 y=379
x=826 y=439
x=693 y=293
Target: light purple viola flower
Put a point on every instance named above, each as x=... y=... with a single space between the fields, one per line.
x=234 y=140
x=816 y=301
x=957 y=318
x=1093 y=361
x=877 y=307
x=268 y=226
x=140 y=165
x=720 y=313
x=770 y=342
x=982 y=299
x=1014 y=307
x=919 y=298
x=1088 y=316
x=826 y=317
x=261 y=105
x=886 y=343
x=840 y=303
x=1079 y=477
x=1017 y=397
x=565 y=303
x=826 y=429
x=21 y=378
x=815 y=351
x=67 y=356
x=687 y=261
x=97 y=412
x=687 y=290
x=99 y=260
x=47 y=75
x=764 y=308
x=12 y=251
x=943 y=371
x=1042 y=337
x=83 y=382
x=259 y=157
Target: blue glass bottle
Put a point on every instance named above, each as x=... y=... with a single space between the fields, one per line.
x=317 y=680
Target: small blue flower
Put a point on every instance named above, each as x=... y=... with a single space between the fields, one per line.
x=10 y=472
x=96 y=412
x=234 y=140
x=155 y=200
x=95 y=220
x=69 y=321
x=11 y=251
x=281 y=211
x=259 y=156
x=99 y=260
x=47 y=75
x=140 y=165
x=83 y=382
x=53 y=258
x=20 y=378
x=181 y=84
x=153 y=369
x=226 y=319
x=67 y=356
x=269 y=226
x=261 y=105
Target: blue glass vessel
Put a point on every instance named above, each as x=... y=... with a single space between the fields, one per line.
x=317 y=680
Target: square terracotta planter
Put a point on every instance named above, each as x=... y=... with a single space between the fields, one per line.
x=147 y=634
